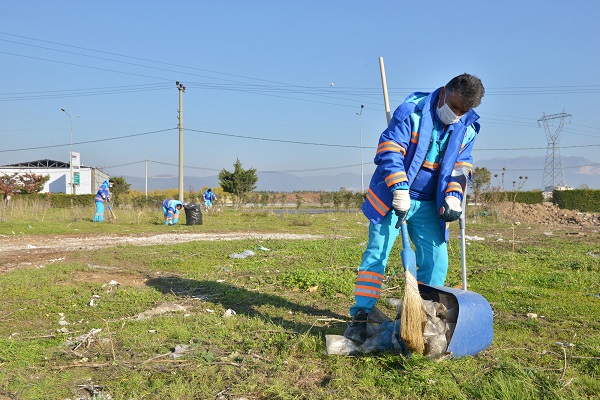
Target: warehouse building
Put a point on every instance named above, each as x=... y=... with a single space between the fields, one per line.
x=85 y=180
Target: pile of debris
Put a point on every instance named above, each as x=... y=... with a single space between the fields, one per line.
x=546 y=214
x=383 y=334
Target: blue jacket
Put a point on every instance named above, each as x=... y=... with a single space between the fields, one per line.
x=105 y=185
x=171 y=206
x=209 y=196
x=402 y=149
x=103 y=192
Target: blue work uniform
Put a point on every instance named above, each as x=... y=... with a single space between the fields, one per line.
x=417 y=153
x=170 y=211
x=208 y=197
x=102 y=196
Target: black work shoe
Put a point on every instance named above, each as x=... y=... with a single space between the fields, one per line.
x=357 y=329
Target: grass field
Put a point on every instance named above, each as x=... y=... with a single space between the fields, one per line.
x=159 y=330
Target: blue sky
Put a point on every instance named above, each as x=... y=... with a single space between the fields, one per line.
x=259 y=77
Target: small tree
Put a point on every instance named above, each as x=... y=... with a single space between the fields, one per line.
x=480 y=181
x=347 y=198
x=337 y=199
x=254 y=199
x=273 y=200
x=264 y=199
x=22 y=183
x=120 y=188
x=325 y=198
x=359 y=199
x=299 y=201
x=239 y=182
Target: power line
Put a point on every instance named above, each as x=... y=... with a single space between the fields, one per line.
x=213 y=169
x=84 y=66
x=54 y=94
x=126 y=164
x=358 y=147
x=299 y=89
x=286 y=85
x=87 y=141
x=318 y=169
x=260 y=139
x=138 y=58
x=273 y=140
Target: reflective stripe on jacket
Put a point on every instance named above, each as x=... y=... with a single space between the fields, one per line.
x=403 y=147
x=102 y=194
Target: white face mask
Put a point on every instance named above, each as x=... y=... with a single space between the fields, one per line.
x=445 y=114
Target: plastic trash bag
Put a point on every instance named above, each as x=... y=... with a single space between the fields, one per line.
x=193 y=214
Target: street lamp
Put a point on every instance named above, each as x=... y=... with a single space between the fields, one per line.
x=362 y=180
x=70 y=150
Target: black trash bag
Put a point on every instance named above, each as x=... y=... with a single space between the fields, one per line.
x=193 y=214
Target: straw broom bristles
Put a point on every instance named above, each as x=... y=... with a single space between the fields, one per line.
x=413 y=317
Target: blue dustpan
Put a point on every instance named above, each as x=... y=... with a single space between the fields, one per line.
x=474 y=329
x=474 y=323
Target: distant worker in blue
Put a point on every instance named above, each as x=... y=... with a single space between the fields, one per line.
x=420 y=155
x=102 y=198
x=171 y=210
x=209 y=197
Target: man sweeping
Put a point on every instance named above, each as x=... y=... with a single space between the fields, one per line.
x=429 y=136
x=102 y=198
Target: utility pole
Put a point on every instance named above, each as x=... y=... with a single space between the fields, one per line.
x=386 y=102
x=362 y=179
x=146 y=179
x=70 y=150
x=181 y=89
x=553 y=169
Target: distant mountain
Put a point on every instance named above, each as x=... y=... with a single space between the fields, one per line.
x=273 y=182
x=577 y=171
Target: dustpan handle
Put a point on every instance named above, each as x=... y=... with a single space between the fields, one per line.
x=405 y=236
x=463 y=246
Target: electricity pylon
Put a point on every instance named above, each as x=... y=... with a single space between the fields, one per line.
x=553 y=170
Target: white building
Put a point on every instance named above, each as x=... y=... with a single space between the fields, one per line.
x=89 y=178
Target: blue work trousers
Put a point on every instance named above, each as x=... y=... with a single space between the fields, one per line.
x=99 y=216
x=171 y=216
x=425 y=233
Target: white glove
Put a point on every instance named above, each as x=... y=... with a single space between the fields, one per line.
x=401 y=200
x=401 y=203
x=451 y=209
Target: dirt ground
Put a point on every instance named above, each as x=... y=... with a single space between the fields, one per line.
x=40 y=250
x=544 y=214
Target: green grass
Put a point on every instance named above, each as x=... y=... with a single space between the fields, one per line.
x=286 y=300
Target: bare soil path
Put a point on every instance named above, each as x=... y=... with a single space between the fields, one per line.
x=38 y=250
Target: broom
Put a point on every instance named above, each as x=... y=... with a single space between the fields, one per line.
x=111 y=211
x=413 y=315
x=413 y=318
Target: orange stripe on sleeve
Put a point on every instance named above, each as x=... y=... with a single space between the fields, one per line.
x=414 y=137
x=379 y=206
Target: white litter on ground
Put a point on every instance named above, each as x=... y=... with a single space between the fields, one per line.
x=243 y=254
x=383 y=334
x=229 y=313
x=474 y=238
